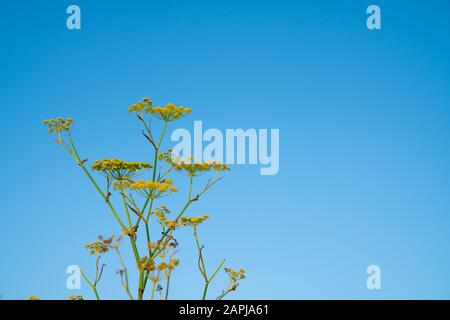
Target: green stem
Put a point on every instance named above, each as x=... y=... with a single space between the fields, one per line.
x=126 y=210
x=204 y=291
x=153 y=290
x=126 y=285
x=96 y=293
x=167 y=286
x=217 y=270
x=141 y=288
x=202 y=266
x=190 y=189
x=135 y=250
x=90 y=284
x=155 y=160
x=81 y=164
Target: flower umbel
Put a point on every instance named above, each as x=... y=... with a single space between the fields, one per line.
x=58 y=125
x=235 y=276
x=169 y=112
x=119 y=169
x=153 y=189
x=103 y=245
x=193 y=221
x=192 y=168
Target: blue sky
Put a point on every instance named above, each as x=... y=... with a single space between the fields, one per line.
x=364 y=140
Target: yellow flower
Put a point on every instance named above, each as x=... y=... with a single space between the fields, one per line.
x=190 y=167
x=140 y=105
x=172 y=224
x=146 y=264
x=58 y=125
x=193 y=221
x=33 y=298
x=173 y=263
x=235 y=276
x=118 y=168
x=97 y=247
x=170 y=112
x=161 y=266
x=153 y=189
x=168 y=265
x=103 y=245
x=122 y=184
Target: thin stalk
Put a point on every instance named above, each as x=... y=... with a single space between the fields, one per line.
x=126 y=285
x=93 y=287
x=221 y=296
x=210 y=279
x=141 y=288
x=200 y=254
x=153 y=290
x=217 y=270
x=167 y=286
x=201 y=265
x=132 y=240
x=126 y=210
x=204 y=291
x=81 y=164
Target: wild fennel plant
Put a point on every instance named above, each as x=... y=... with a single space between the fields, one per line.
x=140 y=199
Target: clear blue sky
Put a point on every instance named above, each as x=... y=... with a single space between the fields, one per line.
x=364 y=139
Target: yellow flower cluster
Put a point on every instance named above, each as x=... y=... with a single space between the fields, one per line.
x=118 y=168
x=170 y=112
x=75 y=297
x=193 y=221
x=97 y=247
x=168 y=265
x=140 y=105
x=122 y=184
x=58 y=125
x=161 y=245
x=33 y=298
x=115 y=164
x=161 y=214
x=146 y=264
x=191 y=167
x=154 y=189
x=162 y=210
x=171 y=224
x=103 y=245
x=149 y=264
x=235 y=276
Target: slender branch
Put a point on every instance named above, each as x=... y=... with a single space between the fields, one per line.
x=124 y=268
x=106 y=198
x=93 y=287
x=167 y=286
